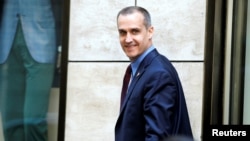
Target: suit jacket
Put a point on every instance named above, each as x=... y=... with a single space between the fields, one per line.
x=38 y=26
x=154 y=107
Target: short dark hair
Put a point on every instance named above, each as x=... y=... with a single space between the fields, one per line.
x=132 y=9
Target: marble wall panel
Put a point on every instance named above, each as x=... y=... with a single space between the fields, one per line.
x=93 y=31
x=179 y=27
x=93 y=100
x=93 y=95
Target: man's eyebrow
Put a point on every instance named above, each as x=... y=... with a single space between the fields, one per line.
x=131 y=29
x=135 y=28
x=121 y=30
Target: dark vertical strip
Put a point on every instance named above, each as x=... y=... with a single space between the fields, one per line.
x=213 y=64
x=135 y=2
x=218 y=62
x=209 y=28
x=1 y=9
x=238 y=61
x=64 y=66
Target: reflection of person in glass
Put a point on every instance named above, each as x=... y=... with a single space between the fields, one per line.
x=27 y=61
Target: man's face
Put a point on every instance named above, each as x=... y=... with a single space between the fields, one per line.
x=135 y=38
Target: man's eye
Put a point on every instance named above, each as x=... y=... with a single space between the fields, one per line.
x=135 y=31
x=122 y=32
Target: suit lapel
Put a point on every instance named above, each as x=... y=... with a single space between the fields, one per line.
x=143 y=66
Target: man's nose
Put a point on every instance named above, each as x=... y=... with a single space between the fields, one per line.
x=128 y=38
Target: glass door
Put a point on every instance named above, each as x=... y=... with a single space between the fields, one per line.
x=246 y=114
x=30 y=69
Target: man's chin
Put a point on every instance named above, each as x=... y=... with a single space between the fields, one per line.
x=131 y=58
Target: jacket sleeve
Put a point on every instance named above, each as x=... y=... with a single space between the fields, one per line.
x=161 y=106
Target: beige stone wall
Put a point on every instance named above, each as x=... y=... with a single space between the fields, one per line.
x=94 y=81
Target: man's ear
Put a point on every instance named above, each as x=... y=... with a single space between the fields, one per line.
x=151 y=32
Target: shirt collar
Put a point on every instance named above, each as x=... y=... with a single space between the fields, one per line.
x=135 y=64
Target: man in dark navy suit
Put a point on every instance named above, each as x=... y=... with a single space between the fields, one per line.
x=154 y=107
